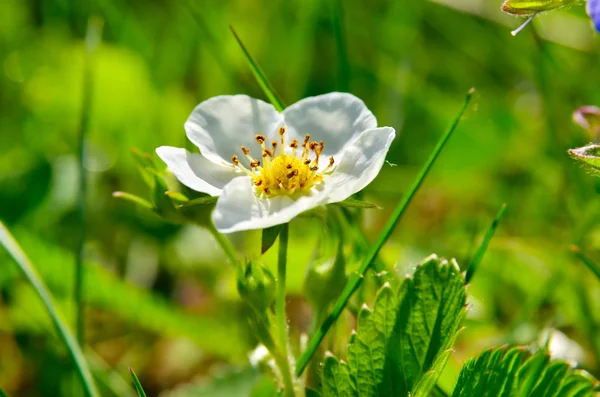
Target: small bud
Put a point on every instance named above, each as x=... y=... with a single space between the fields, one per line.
x=256 y=285
x=588 y=117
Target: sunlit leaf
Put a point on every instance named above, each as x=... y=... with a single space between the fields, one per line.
x=532 y=7
x=503 y=372
x=588 y=156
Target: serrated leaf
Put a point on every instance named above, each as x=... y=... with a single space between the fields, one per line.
x=336 y=378
x=401 y=346
x=269 y=235
x=355 y=203
x=506 y=372
x=532 y=7
x=431 y=310
x=588 y=155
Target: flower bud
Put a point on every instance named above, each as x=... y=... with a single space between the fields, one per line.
x=256 y=285
x=588 y=117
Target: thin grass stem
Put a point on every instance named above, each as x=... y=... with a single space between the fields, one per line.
x=357 y=279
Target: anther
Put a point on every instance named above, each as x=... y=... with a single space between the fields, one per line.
x=234 y=159
x=313 y=145
x=281 y=130
x=288 y=166
x=314 y=168
x=307 y=161
x=259 y=182
x=267 y=152
x=274 y=144
x=255 y=163
x=331 y=161
x=306 y=139
x=292 y=174
x=245 y=150
x=267 y=191
x=294 y=144
x=260 y=139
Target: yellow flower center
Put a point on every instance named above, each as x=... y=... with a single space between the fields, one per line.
x=285 y=174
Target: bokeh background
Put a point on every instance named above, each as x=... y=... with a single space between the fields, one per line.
x=162 y=298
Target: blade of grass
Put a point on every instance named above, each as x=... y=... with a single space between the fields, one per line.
x=343 y=66
x=65 y=334
x=483 y=247
x=138 y=385
x=92 y=39
x=587 y=261
x=260 y=76
x=356 y=280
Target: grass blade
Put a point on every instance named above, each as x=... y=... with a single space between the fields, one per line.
x=138 y=385
x=260 y=76
x=355 y=282
x=94 y=32
x=587 y=261
x=483 y=247
x=343 y=74
x=65 y=334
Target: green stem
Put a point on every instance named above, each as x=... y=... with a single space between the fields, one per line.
x=483 y=247
x=357 y=279
x=280 y=317
x=65 y=334
x=224 y=244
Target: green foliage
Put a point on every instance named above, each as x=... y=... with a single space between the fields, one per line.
x=401 y=346
x=351 y=202
x=256 y=285
x=532 y=7
x=269 y=235
x=588 y=155
x=514 y=372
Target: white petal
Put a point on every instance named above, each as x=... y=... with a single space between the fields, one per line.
x=196 y=172
x=220 y=125
x=334 y=118
x=361 y=162
x=239 y=209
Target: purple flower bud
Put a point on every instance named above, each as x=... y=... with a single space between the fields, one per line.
x=593 y=10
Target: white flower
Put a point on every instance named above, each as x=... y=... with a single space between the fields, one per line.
x=267 y=167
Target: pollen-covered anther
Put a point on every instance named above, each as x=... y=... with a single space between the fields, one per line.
x=292 y=174
x=288 y=166
x=331 y=161
x=267 y=152
x=314 y=168
x=234 y=159
x=245 y=150
x=274 y=144
x=259 y=182
x=255 y=164
x=260 y=139
x=313 y=145
x=294 y=144
x=281 y=130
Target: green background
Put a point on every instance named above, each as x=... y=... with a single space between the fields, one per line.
x=161 y=297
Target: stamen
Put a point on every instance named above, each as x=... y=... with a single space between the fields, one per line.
x=292 y=174
x=255 y=164
x=331 y=161
x=234 y=160
x=274 y=144
x=307 y=161
x=288 y=166
x=314 y=168
x=260 y=139
x=259 y=182
x=267 y=152
x=245 y=150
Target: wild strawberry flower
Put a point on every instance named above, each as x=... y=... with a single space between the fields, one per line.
x=267 y=167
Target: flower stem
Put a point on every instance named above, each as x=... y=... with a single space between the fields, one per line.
x=224 y=244
x=280 y=311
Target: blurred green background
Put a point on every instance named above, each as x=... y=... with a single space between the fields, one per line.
x=162 y=299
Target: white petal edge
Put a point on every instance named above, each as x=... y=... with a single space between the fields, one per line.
x=239 y=209
x=334 y=118
x=220 y=125
x=195 y=171
x=360 y=164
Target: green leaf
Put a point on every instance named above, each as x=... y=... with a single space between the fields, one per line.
x=432 y=306
x=532 y=7
x=138 y=385
x=401 y=346
x=260 y=76
x=503 y=372
x=228 y=384
x=177 y=197
x=588 y=156
x=312 y=393
x=269 y=235
x=336 y=378
x=355 y=203
x=587 y=261
x=134 y=199
x=30 y=272
x=2 y=393
x=205 y=200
